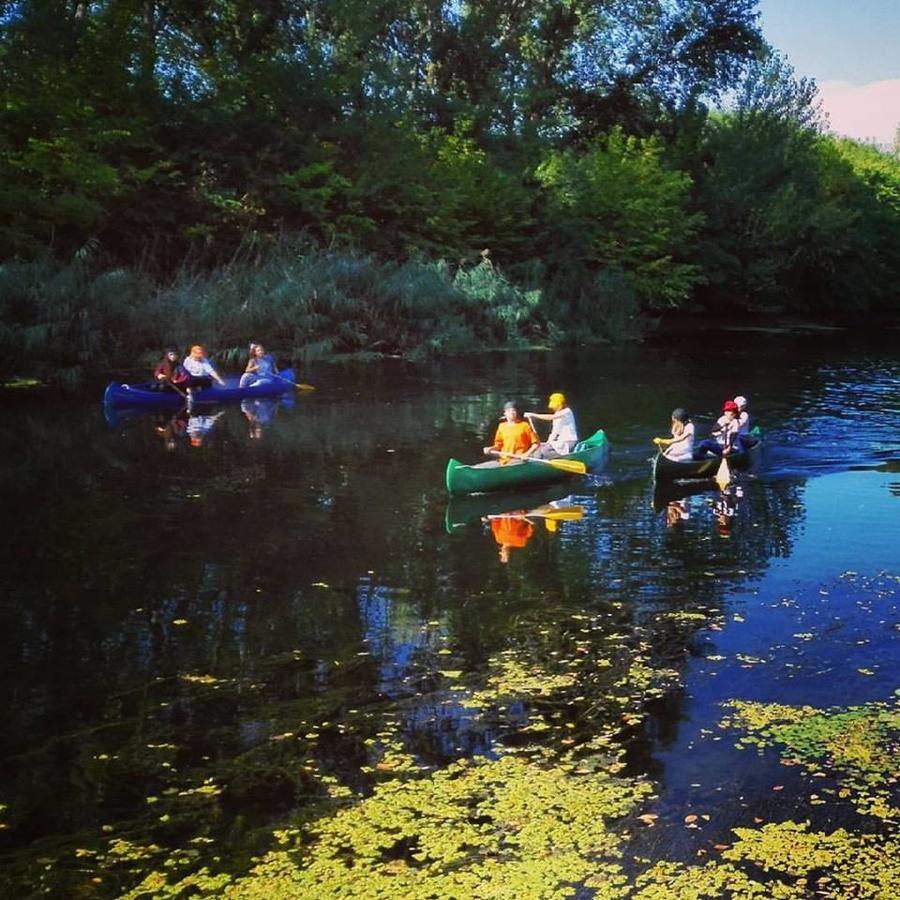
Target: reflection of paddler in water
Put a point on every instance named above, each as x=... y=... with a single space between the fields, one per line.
x=259 y=412
x=198 y=427
x=171 y=428
x=511 y=531
x=677 y=511
x=725 y=509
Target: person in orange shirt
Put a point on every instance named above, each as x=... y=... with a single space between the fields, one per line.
x=514 y=435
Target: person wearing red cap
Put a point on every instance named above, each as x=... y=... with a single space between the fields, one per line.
x=724 y=433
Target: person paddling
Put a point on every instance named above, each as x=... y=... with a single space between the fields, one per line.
x=725 y=434
x=514 y=435
x=679 y=447
x=563 y=433
x=169 y=373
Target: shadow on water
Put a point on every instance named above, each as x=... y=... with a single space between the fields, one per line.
x=202 y=638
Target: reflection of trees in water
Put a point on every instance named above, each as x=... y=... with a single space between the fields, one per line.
x=266 y=560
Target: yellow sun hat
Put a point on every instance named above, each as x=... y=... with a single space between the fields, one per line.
x=557 y=401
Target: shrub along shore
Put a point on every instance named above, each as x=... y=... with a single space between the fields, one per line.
x=414 y=179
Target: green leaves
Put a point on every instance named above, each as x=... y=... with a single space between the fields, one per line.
x=616 y=207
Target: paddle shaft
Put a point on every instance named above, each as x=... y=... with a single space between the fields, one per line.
x=300 y=387
x=566 y=465
x=175 y=386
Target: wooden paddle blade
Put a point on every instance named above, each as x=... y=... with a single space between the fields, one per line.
x=305 y=387
x=723 y=476
x=572 y=466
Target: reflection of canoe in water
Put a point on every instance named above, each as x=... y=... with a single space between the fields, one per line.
x=143 y=394
x=467 y=508
x=516 y=475
x=665 y=492
x=665 y=469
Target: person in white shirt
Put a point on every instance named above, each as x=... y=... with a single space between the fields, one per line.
x=680 y=447
x=725 y=433
x=200 y=369
x=563 y=433
x=746 y=440
x=743 y=417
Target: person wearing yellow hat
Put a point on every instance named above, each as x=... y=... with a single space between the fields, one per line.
x=563 y=433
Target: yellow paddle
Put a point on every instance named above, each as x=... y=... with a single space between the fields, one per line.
x=723 y=475
x=553 y=513
x=299 y=386
x=570 y=466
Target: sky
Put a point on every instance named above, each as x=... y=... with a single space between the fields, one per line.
x=852 y=49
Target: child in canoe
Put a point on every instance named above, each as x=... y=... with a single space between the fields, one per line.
x=260 y=367
x=725 y=434
x=563 y=433
x=169 y=374
x=514 y=435
x=679 y=447
x=745 y=438
x=200 y=370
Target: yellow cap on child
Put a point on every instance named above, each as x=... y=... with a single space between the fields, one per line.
x=556 y=401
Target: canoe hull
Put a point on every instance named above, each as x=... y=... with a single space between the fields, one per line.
x=142 y=395
x=666 y=470
x=517 y=475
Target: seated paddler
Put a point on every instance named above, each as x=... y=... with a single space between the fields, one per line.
x=200 y=370
x=514 y=435
x=563 y=432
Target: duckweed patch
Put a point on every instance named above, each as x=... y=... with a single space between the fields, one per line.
x=858 y=746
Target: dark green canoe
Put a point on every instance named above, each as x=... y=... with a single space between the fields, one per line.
x=515 y=475
x=665 y=469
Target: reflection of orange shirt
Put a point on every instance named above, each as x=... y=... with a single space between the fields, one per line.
x=513 y=532
x=514 y=437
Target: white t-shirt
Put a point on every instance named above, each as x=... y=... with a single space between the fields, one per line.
x=198 y=367
x=682 y=447
x=564 y=434
x=743 y=422
x=726 y=429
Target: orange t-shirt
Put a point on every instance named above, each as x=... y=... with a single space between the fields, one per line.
x=511 y=531
x=514 y=437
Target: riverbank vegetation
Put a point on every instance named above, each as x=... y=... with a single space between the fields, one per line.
x=417 y=178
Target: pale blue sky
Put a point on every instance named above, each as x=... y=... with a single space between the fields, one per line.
x=852 y=49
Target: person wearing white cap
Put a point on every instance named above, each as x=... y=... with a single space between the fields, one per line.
x=745 y=439
x=743 y=416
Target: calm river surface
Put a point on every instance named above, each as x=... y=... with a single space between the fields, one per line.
x=202 y=641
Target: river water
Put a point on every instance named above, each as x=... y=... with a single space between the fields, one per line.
x=255 y=609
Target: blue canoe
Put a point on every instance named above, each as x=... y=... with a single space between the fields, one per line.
x=134 y=395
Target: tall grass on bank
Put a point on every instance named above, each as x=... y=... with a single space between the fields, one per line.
x=62 y=321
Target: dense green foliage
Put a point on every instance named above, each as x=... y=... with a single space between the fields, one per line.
x=573 y=140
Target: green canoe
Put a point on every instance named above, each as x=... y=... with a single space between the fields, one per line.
x=515 y=475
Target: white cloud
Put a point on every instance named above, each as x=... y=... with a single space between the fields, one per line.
x=863 y=111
